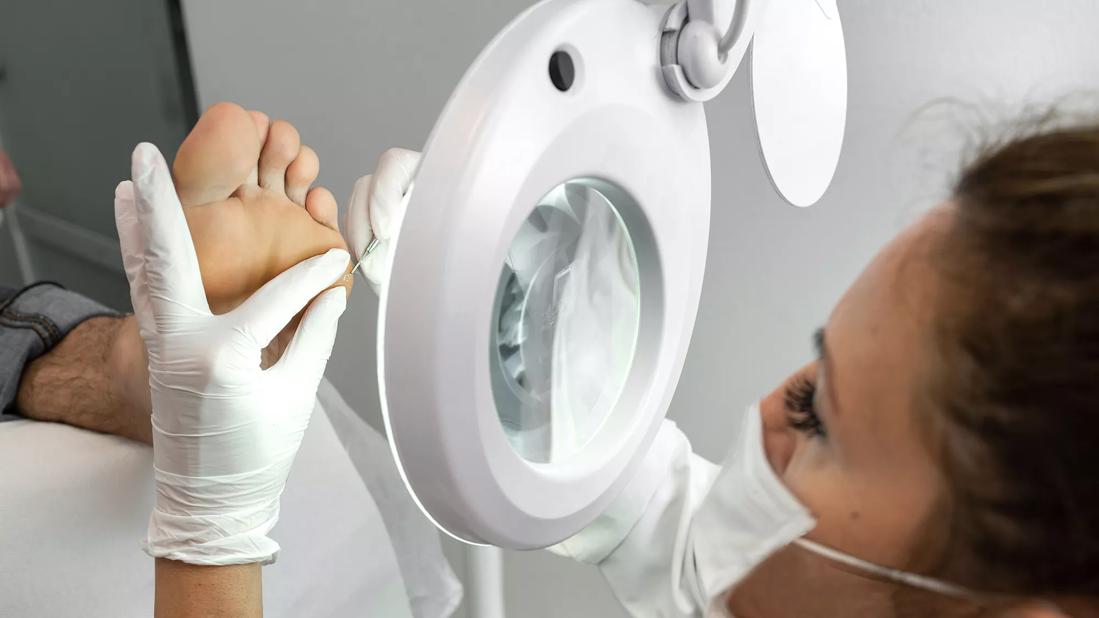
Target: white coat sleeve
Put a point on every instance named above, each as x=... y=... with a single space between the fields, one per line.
x=642 y=543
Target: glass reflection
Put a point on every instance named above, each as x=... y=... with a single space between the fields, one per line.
x=565 y=322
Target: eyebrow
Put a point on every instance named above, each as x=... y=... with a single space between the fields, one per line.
x=821 y=346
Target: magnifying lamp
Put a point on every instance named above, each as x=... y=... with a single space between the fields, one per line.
x=547 y=273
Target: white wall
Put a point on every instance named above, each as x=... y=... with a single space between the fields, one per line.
x=358 y=76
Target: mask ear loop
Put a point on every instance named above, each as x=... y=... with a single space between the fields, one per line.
x=913 y=580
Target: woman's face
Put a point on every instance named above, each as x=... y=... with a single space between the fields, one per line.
x=846 y=436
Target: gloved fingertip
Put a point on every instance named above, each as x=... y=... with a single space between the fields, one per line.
x=143 y=150
x=124 y=190
x=379 y=224
x=357 y=223
x=145 y=158
x=409 y=160
x=337 y=257
x=334 y=302
x=362 y=185
x=361 y=240
x=331 y=267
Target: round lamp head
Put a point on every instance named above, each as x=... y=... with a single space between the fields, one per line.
x=546 y=276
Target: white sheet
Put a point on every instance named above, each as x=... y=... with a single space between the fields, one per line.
x=432 y=588
x=74 y=506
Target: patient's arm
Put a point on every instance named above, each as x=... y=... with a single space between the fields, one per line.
x=186 y=590
x=96 y=378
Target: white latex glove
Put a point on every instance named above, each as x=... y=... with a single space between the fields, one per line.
x=225 y=431
x=377 y=207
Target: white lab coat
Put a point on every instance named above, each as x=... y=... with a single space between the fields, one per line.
x=684 y=531
x=643 y=542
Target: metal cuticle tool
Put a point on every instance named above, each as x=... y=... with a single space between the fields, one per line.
x=366 y=252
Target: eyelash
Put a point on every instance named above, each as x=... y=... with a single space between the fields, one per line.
x=801 y=411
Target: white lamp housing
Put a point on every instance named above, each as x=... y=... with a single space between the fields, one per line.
x=521 y=384
x=508 y=136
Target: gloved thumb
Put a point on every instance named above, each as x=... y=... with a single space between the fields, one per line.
x=271 y=307
x=391 y=182
x=306 y=356
x=378 y=200
x=170 y=264
x=357 y=223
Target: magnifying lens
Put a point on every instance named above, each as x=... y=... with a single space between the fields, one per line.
x=547 y=272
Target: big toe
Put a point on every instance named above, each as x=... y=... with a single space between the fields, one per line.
x=217 y=156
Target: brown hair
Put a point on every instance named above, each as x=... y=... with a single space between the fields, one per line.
x=1016 y=382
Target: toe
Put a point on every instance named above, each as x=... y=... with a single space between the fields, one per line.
x=217 y=156
x=281 y=148
x=321 y=205
x=301 y=174
x=262 y=123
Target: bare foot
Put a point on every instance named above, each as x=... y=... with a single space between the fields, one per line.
x=245 y=188
x=244 y=183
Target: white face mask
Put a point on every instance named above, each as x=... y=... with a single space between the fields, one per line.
x=749 y=514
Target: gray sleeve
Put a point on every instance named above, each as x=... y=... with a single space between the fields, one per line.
x=32 y=321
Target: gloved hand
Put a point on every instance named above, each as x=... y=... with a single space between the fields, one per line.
x=377 y=207
x=225 y=431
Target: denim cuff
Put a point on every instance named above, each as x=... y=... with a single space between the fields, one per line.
x=32 y=321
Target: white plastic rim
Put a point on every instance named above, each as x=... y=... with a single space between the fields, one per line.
x=507 y=137
x=799 y=93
